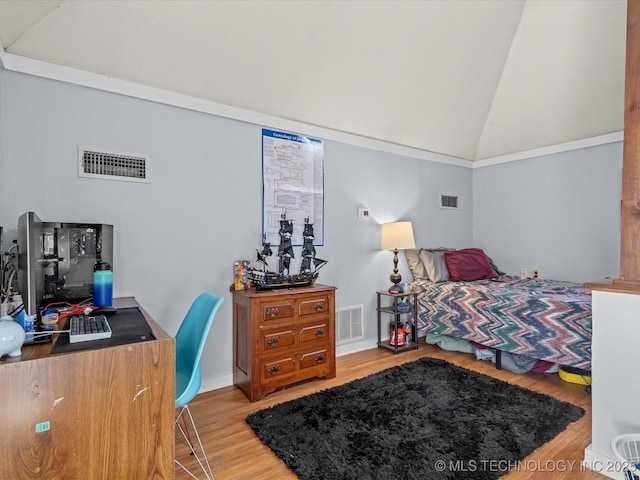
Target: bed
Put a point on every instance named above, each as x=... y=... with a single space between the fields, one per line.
x=540 y=319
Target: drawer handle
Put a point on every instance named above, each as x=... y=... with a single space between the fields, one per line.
x=320 y=332
x=320 y=358
x=318 y=306
x=273 y=312
x=272 y=342
x=274 y=370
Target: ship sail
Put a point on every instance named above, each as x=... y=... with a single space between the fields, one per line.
x=264 y=254
x=308 y=250
x=309 y=265
x=285 y=251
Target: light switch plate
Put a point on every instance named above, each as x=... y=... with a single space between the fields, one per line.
x=363 y=213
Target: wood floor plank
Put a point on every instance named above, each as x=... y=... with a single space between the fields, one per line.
x=236 y=453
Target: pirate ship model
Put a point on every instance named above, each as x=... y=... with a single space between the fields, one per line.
x=309 y=266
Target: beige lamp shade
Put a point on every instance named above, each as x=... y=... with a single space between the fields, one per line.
x=396 y=235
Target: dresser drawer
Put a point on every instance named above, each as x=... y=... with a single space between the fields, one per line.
x=313 y=359
x=313 y=306
x=272 y=339
x=277 y=311
x=311 y=332
x=278 y=368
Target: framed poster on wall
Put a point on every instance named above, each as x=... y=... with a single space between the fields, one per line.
x=292 y=185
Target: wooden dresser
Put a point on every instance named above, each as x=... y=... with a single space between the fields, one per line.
x=282 y=336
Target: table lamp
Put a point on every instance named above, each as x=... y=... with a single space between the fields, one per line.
x=394 y=236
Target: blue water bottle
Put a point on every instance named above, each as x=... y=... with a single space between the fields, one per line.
x=102 y=285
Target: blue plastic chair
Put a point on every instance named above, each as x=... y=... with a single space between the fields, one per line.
x=190 y=341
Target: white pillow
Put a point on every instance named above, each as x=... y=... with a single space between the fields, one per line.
x=434 y=264
x=415 y=264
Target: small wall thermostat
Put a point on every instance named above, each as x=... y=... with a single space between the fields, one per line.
x=363 y=213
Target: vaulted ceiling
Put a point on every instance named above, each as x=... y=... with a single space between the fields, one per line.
x=470 y=79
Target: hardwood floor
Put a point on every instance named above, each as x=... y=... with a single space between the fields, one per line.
x=236 y=453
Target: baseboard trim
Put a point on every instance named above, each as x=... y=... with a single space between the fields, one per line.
x=354 y=347
x=216 y=383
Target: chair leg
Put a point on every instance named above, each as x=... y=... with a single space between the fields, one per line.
x=184 y=430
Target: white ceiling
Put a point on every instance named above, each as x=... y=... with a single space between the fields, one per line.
x=471 y=79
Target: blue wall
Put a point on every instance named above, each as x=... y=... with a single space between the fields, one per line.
x=557 y=213
x=180 y=234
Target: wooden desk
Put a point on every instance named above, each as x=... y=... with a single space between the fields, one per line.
x=110 y=411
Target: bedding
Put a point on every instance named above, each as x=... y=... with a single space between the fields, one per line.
x=542 y=319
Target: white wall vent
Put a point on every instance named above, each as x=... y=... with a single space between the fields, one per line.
x=349 y=324
x=448 y=201
x=130 y=167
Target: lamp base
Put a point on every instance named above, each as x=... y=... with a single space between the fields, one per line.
x=395 y=278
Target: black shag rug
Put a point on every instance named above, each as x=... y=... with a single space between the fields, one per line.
x=426 y=419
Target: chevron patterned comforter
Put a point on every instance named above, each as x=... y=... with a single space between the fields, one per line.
x=543 y=319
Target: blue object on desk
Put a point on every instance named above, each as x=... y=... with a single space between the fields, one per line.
x=102 y=285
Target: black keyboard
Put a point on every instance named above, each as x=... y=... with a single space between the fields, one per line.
x=84 y=328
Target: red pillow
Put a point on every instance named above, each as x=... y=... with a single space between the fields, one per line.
x=468 y=264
